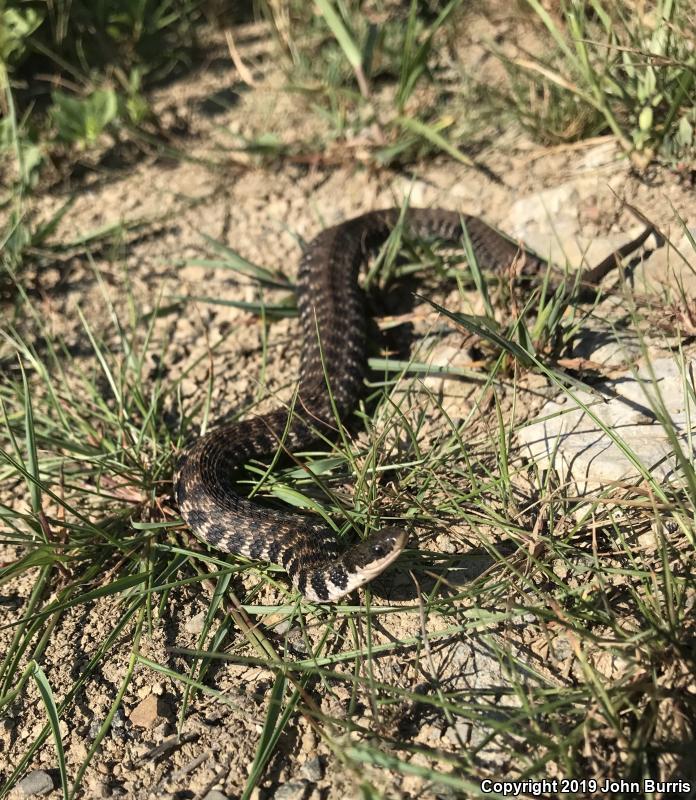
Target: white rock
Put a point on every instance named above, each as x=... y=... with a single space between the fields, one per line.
x=602 y=156
x=586 y=455
x=551 y=210
x=666 y=267
x=196 y=624
x=417 y=191
x=601 y=344
x=36 y=782
x=564 y=248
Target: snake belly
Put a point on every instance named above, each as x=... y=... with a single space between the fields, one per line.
x=333 y=329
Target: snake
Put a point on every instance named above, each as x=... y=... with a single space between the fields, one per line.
x=333 y=363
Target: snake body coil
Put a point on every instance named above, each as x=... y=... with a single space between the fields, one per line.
x=333 y=324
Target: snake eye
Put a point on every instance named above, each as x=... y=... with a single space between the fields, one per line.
x=378 y=550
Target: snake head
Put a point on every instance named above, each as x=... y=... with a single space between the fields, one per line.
x=376 y=553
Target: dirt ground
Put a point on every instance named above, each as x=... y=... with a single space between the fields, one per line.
x=264 y=213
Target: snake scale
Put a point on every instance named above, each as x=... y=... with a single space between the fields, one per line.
x=333 y=328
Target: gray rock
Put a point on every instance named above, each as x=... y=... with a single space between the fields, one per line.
x=672 y=266
x=292 y=790
x=195 y=624
x=312 y=770
x=215 y=794
x=36 y=782
x=584 y=454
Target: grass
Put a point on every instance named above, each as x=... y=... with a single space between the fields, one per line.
x=582 y=641
x=537 y=631
x=364 y=71
x=385 y=83
x=615 y=70
x=81 y=66
x=609 y=70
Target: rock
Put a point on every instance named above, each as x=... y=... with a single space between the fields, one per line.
x=312 y=770
x=584 y=454
x=458 y=734
x=309 y=741
x=292 y=790
x=417 y=191
x=150 y=712
x=98 y=788
x=650 y=540
x=428 y=734
x=451 y=364
x=189 y=387
x=215 y=794
x=36 y=782
x=551 y=211
x=667 y=267
x=569 y=250
x=601 y=156
x=606 y=346
x=195 y=624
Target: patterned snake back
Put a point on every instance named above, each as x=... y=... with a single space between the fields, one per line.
x=333 y=327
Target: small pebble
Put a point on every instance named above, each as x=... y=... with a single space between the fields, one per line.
x=36 y=782
x=215 y=794
x=195 y=624
x=292 y=790
x=312 y=770
x=99 y=789
x=150 y=712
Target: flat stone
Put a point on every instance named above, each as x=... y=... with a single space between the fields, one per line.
x=36 y=782
x=566 y=249
x=195 y=624
x=602 y=156
x=673 y=266
x=598 y=342
x=292 y=790
x=150 y=712
x=552 y=210
x=312 y=770
x=568 y=438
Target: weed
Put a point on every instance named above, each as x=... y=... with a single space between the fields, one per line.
x=77 y=68
x=385 y=56
x=633 y=74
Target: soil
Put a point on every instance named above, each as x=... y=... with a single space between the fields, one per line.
x=265 y=213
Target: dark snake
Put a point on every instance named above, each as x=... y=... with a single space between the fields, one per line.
x=333 y=327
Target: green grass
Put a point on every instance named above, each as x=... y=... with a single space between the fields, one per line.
x=609 y=70
x=92 y=49
x=613 y=69
x=361 y=72
x=592 y=637
x=380 y=81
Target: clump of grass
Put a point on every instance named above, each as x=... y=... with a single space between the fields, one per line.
x=78 y=69
x=363 y=71
x=614 y=68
